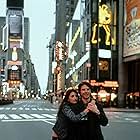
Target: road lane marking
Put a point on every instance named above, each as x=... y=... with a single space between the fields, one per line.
x=3 y=116
x=48 y=116
x=39 y=108
x=52 y=109
x=128 y=119
x=26 y=116
x=27 y=108
x=34 y=108
x=38 y=116
x=14 y=108
x=1 y=108
x=7 y=108
x=48 y=122
x=54 y=115
x=21 y=108
x=46 y=109
x=14 y=116
x=29 y=120
x=135 y=121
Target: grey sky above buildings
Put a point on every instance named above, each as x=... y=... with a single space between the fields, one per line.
x=42 y=23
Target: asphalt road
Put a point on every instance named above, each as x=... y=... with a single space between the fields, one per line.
x=27 y=120
x=33 y=120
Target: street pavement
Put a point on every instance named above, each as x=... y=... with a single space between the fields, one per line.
x=36 y=118
x=109 y=109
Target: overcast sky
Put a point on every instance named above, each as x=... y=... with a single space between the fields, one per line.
x=42 y=23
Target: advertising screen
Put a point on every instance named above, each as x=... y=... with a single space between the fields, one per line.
x=5 y=38
x=15 y=26
x=132 y=28
x=15 y=3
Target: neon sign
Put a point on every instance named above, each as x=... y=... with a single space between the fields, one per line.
x=105 y=18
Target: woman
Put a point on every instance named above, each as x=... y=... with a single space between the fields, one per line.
x=67 y=117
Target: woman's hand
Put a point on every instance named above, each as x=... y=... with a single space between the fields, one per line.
x=92 y=107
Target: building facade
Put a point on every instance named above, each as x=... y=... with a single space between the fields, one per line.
x=103 y=48
x=19 y=73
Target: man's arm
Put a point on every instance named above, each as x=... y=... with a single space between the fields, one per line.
x=97 y=108
x=102 y=116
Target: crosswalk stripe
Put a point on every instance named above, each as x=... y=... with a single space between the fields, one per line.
x=28 y=120
x=128 y=119
x=53 y=109
x=54 y=115
x=20 y=108
x=38 y=116
x=40 y=109
x=34 y=108
x=8 y=108
x=46 y=109
x=48 y=116
x=14 y=108
x=14 y=116
x=1 y=108
x=3 y=116
x=27 y=108
x=26 y=116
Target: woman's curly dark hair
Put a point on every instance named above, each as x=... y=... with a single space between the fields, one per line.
x=66 y=97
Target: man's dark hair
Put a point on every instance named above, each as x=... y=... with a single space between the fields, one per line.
x=84 y=83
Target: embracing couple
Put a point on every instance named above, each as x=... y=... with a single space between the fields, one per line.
x=79 y=116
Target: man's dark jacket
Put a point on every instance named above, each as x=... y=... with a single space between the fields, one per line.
x=95 y=121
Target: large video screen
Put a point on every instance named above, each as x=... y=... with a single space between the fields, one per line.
x=132 y=28
x=15 y=3
x=15 y=26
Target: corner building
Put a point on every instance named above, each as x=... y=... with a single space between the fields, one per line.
x=103 y=42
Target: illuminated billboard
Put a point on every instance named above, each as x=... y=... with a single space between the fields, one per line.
x=16 y=43
x=15 y=26
x=5 y=37
x=132 y=28
x=101 y=31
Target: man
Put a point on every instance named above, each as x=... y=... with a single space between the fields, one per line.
x=96 y=115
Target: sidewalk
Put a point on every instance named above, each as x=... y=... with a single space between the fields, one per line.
x=111 y=109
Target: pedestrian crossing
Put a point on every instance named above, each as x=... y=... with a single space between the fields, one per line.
x=47 y=117
x=119 y=117
x=26 y=113
x=27 y=108
x=27 y=117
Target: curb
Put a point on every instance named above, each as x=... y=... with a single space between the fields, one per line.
x=5 y=102
x=122 y=110
x=111 y=109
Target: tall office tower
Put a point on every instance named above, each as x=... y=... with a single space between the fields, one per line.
x=64 y=13
x=15 y=48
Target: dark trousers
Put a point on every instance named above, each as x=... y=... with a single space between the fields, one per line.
x=54 y=138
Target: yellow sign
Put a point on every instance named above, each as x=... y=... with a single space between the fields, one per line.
x=14 y=63
x=105 y=18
